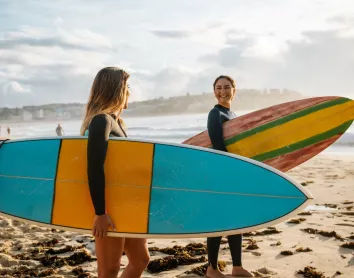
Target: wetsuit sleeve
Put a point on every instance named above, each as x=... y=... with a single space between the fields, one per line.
x=99 y=130
x=215 y=130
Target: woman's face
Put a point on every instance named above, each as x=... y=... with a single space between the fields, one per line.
x=224 y=92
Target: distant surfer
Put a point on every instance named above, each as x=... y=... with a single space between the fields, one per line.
x=59 y=130
x=224 y=91
x=8 y=131
x=109 y=96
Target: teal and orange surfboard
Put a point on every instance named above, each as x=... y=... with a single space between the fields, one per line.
x=153 y=190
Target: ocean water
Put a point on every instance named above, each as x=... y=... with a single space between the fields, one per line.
x=174 y=129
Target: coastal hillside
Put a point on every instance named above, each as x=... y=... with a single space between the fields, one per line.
x=245 y=99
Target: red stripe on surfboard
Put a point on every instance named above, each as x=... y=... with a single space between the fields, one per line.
x=257 y=118
x=290 y=160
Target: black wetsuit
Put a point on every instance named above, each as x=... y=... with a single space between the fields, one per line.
x=217 y=116
x=100 y=129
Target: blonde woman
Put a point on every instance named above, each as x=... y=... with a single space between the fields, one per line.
x=109 y=96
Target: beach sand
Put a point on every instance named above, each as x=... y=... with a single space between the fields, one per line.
x=35 y=251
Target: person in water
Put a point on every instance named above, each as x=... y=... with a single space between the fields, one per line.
x=109 y=96
x=224 y=91
x=59 y=130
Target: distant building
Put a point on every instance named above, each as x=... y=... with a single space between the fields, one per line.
x=26 y=115
x=16 y=118
x=275 y=92
x=73 y=112
x=291 y=93
x=66 y=115
x=59 y=113
x=39 y=114
x=49 y=114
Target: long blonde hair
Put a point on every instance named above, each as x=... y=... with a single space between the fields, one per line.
x=108 y=94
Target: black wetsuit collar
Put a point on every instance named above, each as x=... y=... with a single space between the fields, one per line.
x=222 y=107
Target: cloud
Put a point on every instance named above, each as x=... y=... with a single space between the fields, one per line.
x=320 y=64
x=50 y=65
x=46 y=85
x=15 y=87
x=168 y=56
x=239 y=38
x=14 y=93
x=85 y=37
x=168 y=82
x=171 y=34
x=76 y=39
x=345 y=24
x=46 y=42
x=208 y=59
x=232 y=54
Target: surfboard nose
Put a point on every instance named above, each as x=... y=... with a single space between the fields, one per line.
x=227 y=193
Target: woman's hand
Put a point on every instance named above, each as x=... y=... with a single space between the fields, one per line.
x=101 y=224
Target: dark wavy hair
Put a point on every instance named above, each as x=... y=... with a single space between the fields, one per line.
x=233 y=83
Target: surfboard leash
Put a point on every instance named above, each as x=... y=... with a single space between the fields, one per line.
x=2 y=142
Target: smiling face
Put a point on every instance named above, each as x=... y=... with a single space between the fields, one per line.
x=224 y=91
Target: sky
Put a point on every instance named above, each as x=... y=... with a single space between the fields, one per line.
x=51 y=50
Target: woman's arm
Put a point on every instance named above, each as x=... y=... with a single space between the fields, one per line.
x=99 y=130
x=215 y=130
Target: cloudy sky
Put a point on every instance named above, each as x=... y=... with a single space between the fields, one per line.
x=51 y=50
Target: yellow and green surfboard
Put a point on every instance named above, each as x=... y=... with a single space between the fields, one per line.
x=286 y=135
